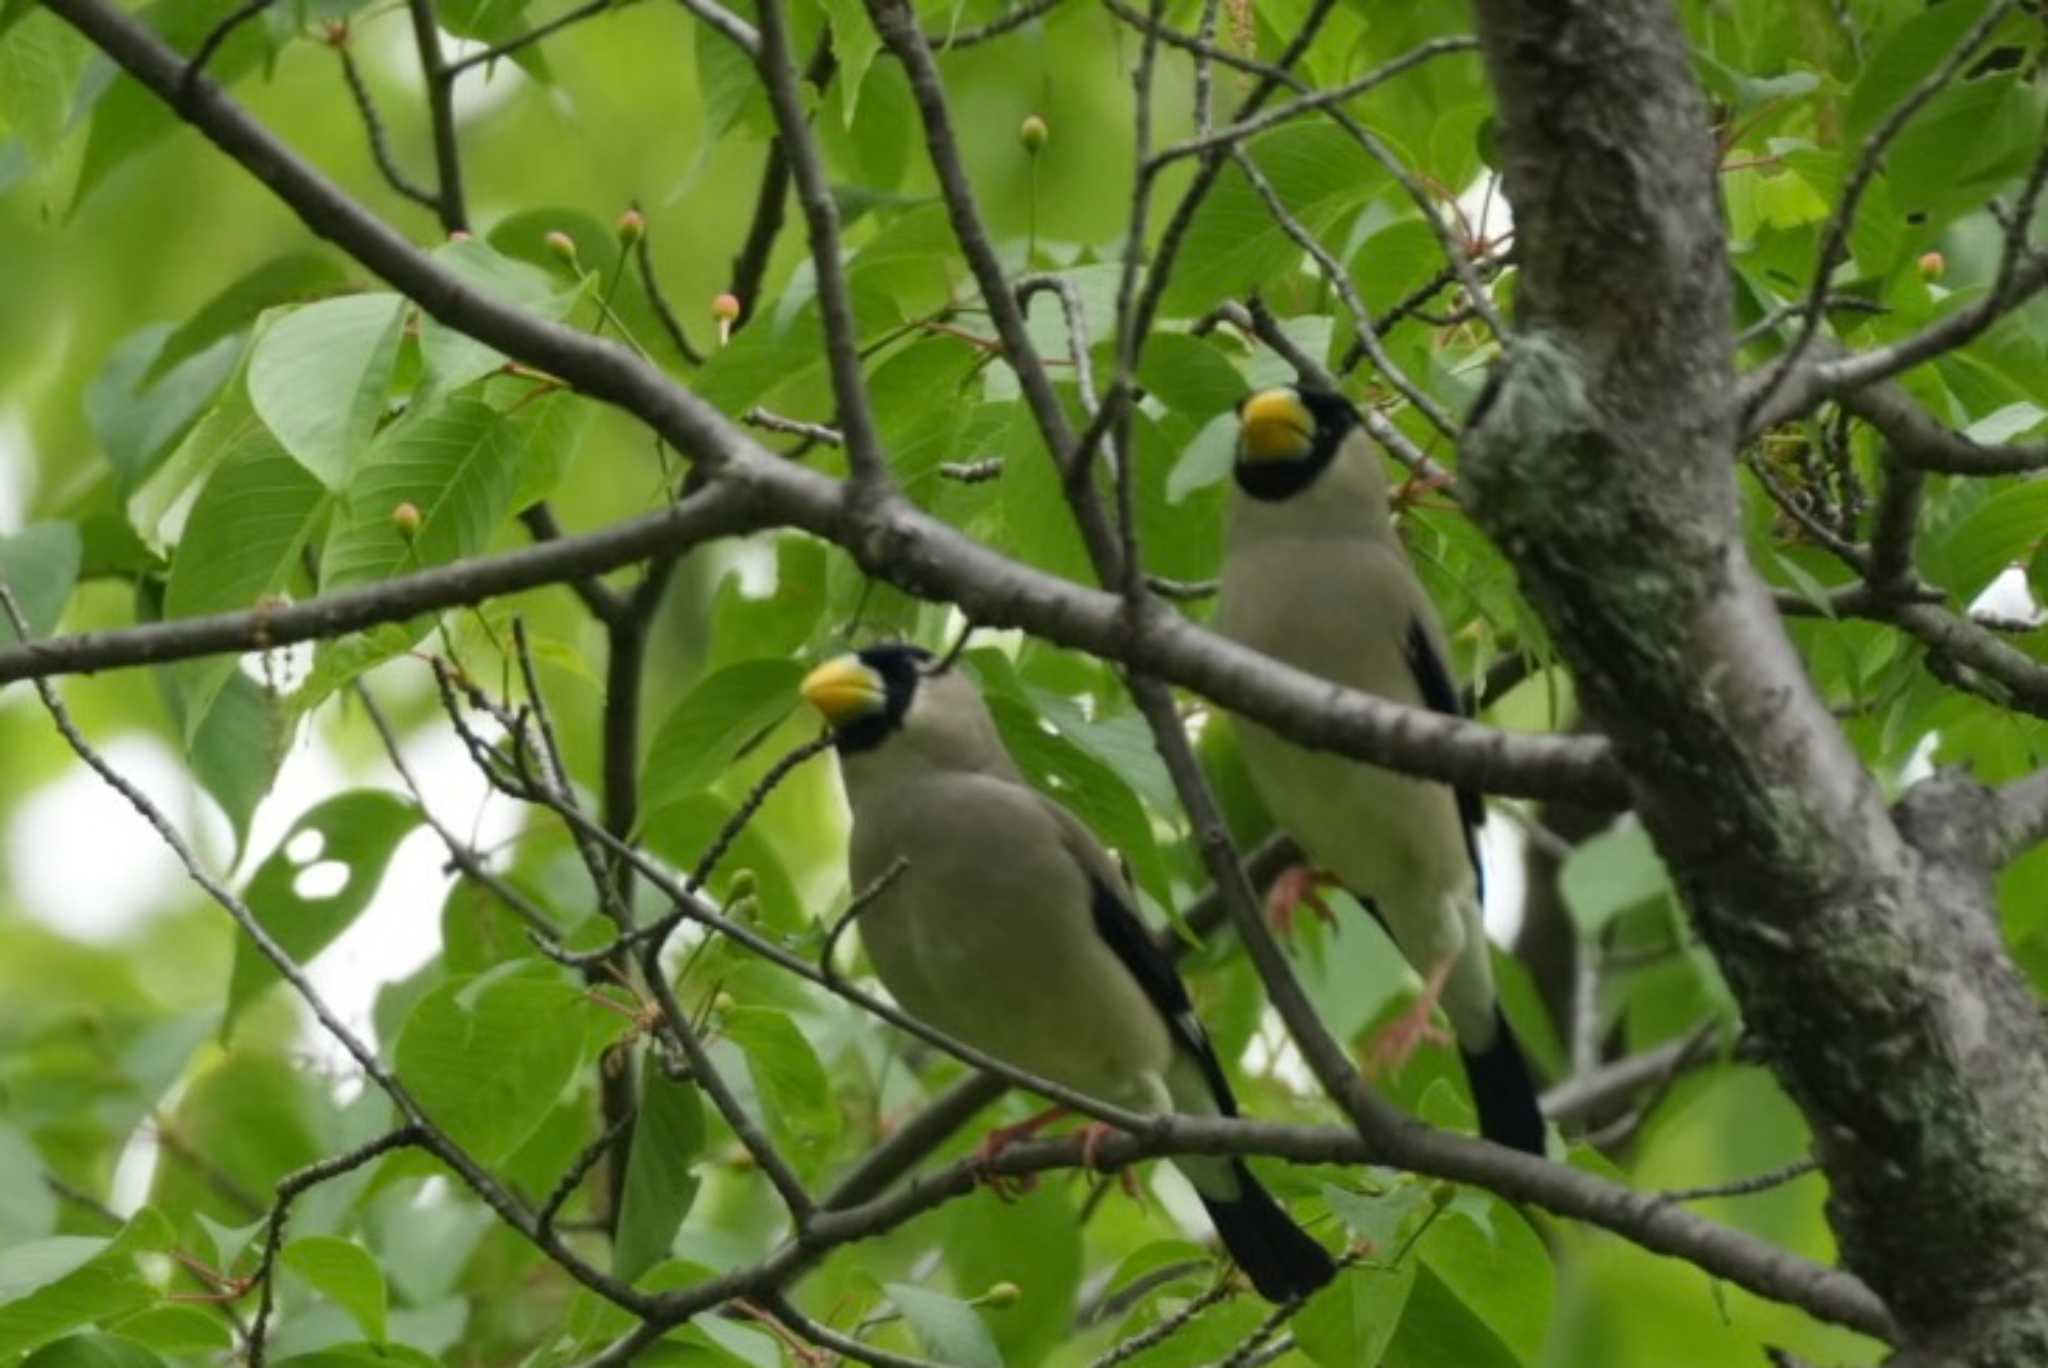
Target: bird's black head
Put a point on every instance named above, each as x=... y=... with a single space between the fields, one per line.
x=863 y=696
x=1287 y=438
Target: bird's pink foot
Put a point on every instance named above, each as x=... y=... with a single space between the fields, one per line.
x=1297 y=887
x=1001 y=1138
x=1092 y=1136
x=1395 y=1043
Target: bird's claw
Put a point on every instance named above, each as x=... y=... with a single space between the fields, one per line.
x=1395 y=1043
x=1092 y=1136
x=1297 y=887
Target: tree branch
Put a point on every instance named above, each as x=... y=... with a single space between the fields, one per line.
x=448 y=198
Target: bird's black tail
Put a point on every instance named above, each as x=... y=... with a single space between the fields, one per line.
x=1282 y=1260
x=1504 y=1091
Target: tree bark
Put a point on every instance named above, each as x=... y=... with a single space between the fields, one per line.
x=1863 y=945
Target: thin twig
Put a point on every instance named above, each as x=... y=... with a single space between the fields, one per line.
x=579 y=1169
x=1168 y=1326
x=795 y=427
x=211 y=44
x=288 y=1189
x=1742 y=1187
x=533 y=35
x=650 y=280
x=448 y=202
x=380 y=145
x=860 y=903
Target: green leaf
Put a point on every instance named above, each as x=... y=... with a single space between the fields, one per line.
x=294 y=278
x=1908 y=55
x=351 y=835
x=28 y=1209
x=93 y=1351
x=1353 y=1320
x=1611 y=873
x=174 y=1329
x=345 y=1274
x=950 y=1330
x=361 y=1356
x=2002 y=530
x=1085 y=785
x=668 y=1137
x=1207 y=460
x=1497 y=1268
x=130 y=120
x=681 y=832
x=1034 y=1242
x=712 y=723
x=546 y=433
x=49 y=1286
x=40 y=566
x=242 y=542
x=1437 y=1330
x=237 y=751
x=136 y=422
x=1234 y=245
x=855 y=42
x=795 y=1092
x=1379 y=1219
x=40 y=62
x=319 y=376
x=489 y=1056
x=455 y=465
x=453 y=359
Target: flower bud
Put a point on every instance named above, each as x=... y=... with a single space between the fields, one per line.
x=1033 y=133
x=631 y=227
x=1001 y=1295
x=726 y=308
x=406 y=520
x=1933 y=266
x=562 y=245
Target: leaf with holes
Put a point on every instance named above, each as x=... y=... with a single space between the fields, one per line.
x=294 y=895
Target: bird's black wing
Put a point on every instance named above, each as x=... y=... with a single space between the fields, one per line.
x=1440 y=692
x=1120 y=927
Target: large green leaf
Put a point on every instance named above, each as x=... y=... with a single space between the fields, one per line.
x=704 y=731
x=136 y=420
x=1353 y=1320
x=1611 y=873
x=294 y=895
x=242 y=542
x=40 y=62
x=489 y=1056
x=319 y=377
x=1033 y=1241
x=668 y=1137
x=52 y=1285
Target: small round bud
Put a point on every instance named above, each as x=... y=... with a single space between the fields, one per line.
x=461 y=235
x=723 y=1002
x=726 y=308
x=1442 y=1194
x=406 y=520
x=1933 y=266
x=334 y=33
x=561 y=244
x=1033 y=133
x=1001 y=1295
x=631 y=227
x=742 y=885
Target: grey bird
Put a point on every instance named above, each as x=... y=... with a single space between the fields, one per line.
x=1314 y=575
x=1009 y=928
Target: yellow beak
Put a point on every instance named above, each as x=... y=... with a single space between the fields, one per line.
x=1276 y=426
x=844 y=689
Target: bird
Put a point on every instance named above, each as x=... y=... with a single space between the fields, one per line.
x=1314 y=575
x=1000 y=920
